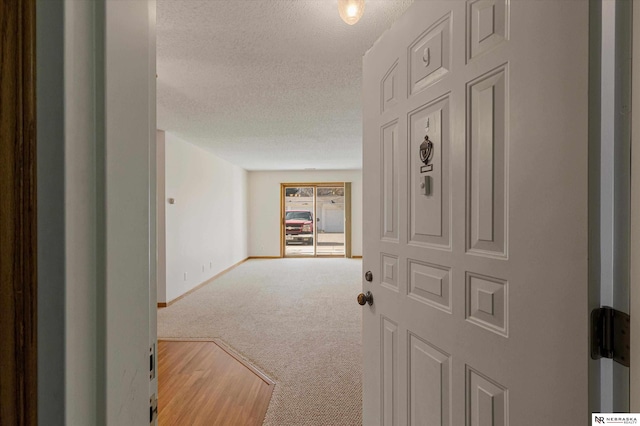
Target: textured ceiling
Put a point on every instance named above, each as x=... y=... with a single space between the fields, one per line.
x=267 y=84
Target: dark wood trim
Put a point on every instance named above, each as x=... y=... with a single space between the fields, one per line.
x=18 y=268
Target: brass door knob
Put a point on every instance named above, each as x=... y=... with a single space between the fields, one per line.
x=365 y=298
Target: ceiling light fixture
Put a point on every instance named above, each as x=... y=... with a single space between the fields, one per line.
x=351 y=10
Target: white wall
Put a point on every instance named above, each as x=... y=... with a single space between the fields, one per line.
x=264 y=206
x=207 y=225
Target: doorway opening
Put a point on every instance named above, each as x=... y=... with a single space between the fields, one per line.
x=315 y=219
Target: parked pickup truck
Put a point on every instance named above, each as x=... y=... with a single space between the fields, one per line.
x=298 y=227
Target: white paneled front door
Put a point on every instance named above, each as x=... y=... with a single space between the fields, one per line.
x=478 y=252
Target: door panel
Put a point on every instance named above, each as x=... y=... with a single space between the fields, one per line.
x=429 y=384
x=480 y=263
x=435 y=232
x=389 y=373
x=486 y=186
x=430 y=55
x=486 y=303
x=487 y=401
x=390 y=181
x=487 y=23
x=430 y=285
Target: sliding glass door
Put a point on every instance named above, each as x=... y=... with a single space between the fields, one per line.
x=330 y=220
x=299 y=221
x=313 y=222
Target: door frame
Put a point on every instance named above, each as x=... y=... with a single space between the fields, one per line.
x=634 y=293
x=347 y=214
x=18 y=215
x=25 y=233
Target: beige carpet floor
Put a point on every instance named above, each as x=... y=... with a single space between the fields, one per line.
x=296 y=320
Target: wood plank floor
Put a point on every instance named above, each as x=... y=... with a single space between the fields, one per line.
x=199 y=383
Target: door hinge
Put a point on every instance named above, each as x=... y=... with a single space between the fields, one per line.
x=153 y=409
x=152 y=362
x=610 y=331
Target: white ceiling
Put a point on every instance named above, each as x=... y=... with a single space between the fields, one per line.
x=267 y=84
